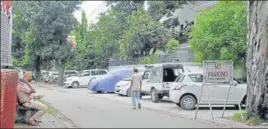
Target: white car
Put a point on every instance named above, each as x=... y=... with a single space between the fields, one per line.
x=123 y=87
x=83 y=78
x=162 y=75
x=185 y=92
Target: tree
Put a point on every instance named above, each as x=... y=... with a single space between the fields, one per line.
x=172 y=45
x=54 y=22
x=159 y=9
x=257 y=59
x=142 y=35
x=219 y=33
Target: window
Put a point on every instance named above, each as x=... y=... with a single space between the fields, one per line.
x=180 y=78
x=155 y=75
x=196 y=78
x=94 y=73
x=102 y=72
x=86 y=74
x=145 y=75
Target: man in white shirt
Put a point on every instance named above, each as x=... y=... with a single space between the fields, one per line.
x=135 y=87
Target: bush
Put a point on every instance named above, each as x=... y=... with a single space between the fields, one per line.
x=172 y=45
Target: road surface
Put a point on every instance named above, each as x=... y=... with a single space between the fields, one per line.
x=87 y=111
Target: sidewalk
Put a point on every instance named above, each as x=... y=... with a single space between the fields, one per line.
x=52 y=119
x=48 y=121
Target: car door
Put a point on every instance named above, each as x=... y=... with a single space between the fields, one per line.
x=156 y=79
x=195 y=82
x=84 y=79
x=152 y=79
x=145 y=77
x=237 y=93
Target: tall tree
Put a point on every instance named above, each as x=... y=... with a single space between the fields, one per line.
x=257 y=59
x=142 y=35
x=221 y=36
x=54 y=22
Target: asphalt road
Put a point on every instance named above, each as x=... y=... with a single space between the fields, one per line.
x=87 y=111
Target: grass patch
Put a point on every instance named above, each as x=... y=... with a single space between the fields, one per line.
x=238 y=118
x=252 y=121
x=49 y=110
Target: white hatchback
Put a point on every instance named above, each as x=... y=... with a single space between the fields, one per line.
x=83 y=78
x=185 y=92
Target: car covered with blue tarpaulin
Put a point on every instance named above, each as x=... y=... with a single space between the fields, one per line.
x=107 y=82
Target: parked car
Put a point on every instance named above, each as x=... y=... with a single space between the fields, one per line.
x=53 y=76
x=107 y=82
x=83 y=77
x=44 y=75
x=123 y=87
x=185 y=92
x=67 y=73
x=161 y=75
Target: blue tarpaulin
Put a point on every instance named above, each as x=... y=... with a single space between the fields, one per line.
x=106 y=83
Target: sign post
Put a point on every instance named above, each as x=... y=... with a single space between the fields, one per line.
x=216 y=71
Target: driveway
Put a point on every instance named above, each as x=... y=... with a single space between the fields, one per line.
x=86 y=109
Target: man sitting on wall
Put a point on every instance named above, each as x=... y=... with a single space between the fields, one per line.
x=26 y=99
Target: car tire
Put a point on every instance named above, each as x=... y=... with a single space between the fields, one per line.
x=188 y=102
x=128 y=93
x=161 y=96
x=154 y=96
x=75 y=84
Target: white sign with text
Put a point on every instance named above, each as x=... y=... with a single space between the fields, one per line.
x=218 y=71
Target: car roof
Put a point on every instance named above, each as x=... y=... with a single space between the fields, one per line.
x=196 y=72
x=177 y=64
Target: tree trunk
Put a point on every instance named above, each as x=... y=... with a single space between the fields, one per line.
x=257 y=59
x=61 y=66
x=38 y=69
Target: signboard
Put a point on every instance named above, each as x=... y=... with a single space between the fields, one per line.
x=218 y=71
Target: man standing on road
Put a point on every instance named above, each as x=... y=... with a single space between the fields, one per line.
x=135 y=87
x=25 y=99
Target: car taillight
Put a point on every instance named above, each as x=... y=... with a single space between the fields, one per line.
x=179 y=87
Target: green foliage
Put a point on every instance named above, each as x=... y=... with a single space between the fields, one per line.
x=172 y=45
x=158 y=9
x=220 y=33
x=253 y=121
x=237 y=116
x=149 y=59
x=142 y=35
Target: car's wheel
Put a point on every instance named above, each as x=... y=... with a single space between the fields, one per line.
x=188 y=102
x=75 y=84
x=161 y=96
x=154 y=96
x=128 y=92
